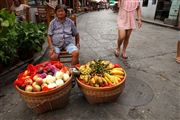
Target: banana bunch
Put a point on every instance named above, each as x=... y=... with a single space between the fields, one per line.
x=85 y=78
x=110 y=66
x=105 y=62
x=101 y=73
x=96 y=81
x=111 y=79
x=85 y=69
x=117 y=71
x=115 y=76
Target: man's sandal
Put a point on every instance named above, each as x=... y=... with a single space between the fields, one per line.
x=178 y=60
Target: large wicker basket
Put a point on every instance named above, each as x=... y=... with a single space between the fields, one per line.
x=101 y=94
x=45 y=101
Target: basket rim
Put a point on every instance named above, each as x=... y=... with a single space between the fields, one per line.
x=103 y=88
x=44 y=92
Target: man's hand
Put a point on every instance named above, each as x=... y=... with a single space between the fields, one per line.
x=52 y=54
x=78 y=46
x=51 y=51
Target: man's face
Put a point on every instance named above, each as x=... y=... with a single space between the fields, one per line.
x=60 y=13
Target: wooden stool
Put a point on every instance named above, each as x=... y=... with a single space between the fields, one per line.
x=178 y=52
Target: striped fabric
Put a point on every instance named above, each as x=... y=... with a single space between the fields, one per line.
x=62 y=33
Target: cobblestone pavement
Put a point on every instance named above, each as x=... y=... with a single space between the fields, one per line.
x=152 y=89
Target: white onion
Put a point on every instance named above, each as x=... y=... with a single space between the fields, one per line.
x=52 y=85
x=59 y=75
x=50 y=79
x=59 y=82
x=66 y=77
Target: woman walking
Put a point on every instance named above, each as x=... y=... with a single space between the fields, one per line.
x=126 y=23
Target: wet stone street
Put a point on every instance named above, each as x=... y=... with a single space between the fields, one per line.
x=152 y=89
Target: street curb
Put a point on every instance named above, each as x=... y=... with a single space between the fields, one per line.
x=34 y=59
x=161 y=24
x=79 y=14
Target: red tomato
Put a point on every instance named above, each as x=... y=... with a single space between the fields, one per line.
x=117 y=66
x=45 y=88
x=64 y=69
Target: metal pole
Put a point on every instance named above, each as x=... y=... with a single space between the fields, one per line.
x=179 y=18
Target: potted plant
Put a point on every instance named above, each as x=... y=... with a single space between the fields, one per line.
x=18 y=40
x=8 y=37
x=30 y=39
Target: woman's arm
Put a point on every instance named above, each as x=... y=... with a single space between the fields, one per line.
x=139 y=16
x=119 y=3
x=139 y=12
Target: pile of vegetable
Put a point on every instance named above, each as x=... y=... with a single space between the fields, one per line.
x=43 y=77
x=101 y=73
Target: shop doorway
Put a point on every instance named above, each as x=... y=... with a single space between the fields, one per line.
x=162 y=9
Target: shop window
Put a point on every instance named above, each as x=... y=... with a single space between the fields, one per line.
x=31 y=2
x=3 y=4
x=153 y=2
x=36 y=2
x=145 y=3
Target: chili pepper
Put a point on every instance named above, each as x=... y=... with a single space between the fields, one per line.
x=32 y=69
x=19 y=82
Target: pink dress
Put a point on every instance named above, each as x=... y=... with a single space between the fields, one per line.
x=126 y=15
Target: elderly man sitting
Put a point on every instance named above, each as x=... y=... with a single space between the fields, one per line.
x=60 y=36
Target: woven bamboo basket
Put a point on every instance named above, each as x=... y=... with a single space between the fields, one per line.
x=50 y=100
x=101 y=94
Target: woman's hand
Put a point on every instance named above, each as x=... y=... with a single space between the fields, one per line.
x=139 y=23
x=139 y=16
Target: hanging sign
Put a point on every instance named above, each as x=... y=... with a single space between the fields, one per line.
x=174 y=9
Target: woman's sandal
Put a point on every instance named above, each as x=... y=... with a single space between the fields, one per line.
x=116 y=53
x=124 y=57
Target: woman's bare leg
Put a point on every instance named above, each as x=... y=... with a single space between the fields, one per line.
x=121 y=38
x=125 y=43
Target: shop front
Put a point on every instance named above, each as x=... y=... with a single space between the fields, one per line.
x=163 y=11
